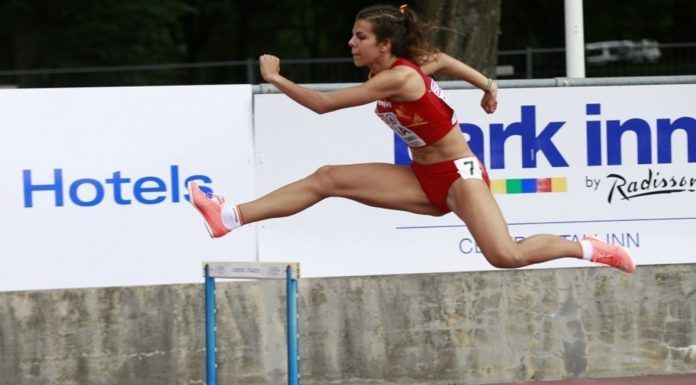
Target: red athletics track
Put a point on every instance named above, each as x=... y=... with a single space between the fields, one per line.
x=682 y=379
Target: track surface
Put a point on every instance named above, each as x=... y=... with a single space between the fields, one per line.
x=684 y=379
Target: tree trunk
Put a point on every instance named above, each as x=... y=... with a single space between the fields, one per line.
x=465 y=29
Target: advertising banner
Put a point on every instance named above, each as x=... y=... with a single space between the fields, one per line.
x=615 y=162
x=94 y=183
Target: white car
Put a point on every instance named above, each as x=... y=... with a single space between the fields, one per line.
x=631 y=51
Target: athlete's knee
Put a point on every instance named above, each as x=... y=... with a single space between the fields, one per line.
x=506 y=257
x=327 y=180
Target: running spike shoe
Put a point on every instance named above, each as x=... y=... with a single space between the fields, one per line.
x=210 y=207
x=612 y=255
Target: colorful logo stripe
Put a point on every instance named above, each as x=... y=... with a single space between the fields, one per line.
x=529 y=185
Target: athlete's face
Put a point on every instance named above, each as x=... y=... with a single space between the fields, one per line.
x=363 y=44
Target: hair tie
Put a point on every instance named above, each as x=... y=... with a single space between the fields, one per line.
x=402 y=9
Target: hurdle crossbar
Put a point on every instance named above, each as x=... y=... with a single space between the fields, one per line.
x=290 y=271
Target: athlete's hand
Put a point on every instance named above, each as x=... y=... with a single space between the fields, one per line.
x=489 y=103
x=270 y=67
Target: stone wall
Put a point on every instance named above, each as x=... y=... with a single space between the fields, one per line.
x=450 y=328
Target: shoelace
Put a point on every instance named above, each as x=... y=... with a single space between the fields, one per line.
x=213 y=197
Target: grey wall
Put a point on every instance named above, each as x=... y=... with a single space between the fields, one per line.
x=454 y=328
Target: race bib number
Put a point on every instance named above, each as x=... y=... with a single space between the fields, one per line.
x=469 y=168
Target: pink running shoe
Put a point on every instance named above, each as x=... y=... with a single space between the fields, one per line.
x=210 y=207
x=612 y=255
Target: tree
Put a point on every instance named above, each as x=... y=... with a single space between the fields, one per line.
x=465 y=29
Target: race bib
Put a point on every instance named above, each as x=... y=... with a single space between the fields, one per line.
x=469 y=168
x=409 y=137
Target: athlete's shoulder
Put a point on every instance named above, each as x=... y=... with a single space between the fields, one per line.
x=403 y=62
x=398 y=74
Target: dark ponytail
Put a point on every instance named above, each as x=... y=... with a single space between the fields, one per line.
x=403 y=27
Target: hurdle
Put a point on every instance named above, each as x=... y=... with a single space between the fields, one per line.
x=290 y=271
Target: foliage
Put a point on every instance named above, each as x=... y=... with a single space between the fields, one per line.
x=81 y=33
x=90 y=33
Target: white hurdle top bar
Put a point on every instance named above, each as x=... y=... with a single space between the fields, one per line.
x=252 y=270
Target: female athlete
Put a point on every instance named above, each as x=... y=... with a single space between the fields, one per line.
x=444 y=175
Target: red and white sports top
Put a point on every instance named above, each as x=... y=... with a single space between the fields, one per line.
x=421 y=122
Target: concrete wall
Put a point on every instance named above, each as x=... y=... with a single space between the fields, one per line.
x=454 y=328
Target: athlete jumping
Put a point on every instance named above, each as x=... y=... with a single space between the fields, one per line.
x=444 y=175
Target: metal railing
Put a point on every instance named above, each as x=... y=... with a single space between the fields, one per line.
x=529 y=63
x=532 y=63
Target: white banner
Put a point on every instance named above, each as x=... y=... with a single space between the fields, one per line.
x=94 y=183
x=616 y=162
x=95 y=180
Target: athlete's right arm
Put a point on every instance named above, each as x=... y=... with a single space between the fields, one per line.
x=394 y=82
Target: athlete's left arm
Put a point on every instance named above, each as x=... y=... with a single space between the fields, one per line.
x=447 y=65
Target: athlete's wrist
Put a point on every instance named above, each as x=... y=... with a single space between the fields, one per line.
x=490 y=86
x=273 y=79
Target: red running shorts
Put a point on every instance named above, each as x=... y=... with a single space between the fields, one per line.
x=436 y=179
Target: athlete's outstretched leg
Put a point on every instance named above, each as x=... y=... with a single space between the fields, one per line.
x=473 y=202
x=376 y=184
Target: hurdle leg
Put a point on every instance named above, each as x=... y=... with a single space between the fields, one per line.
x=293 y=336
x=210 y=330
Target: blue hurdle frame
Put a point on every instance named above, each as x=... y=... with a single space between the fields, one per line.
x=291 y=319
